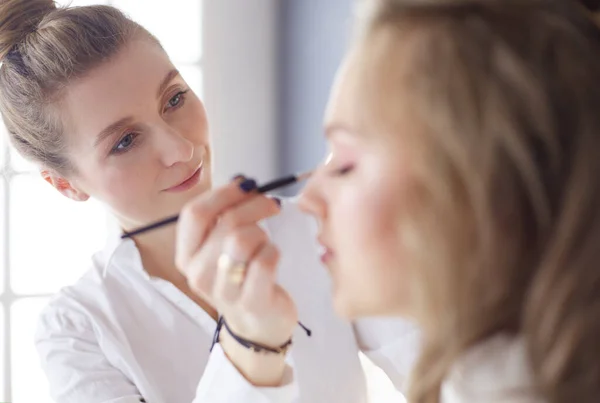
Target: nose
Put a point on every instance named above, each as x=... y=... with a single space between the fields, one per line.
x=174 y=147
x=312 y=200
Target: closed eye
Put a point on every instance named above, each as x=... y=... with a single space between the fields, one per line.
x=345 y=170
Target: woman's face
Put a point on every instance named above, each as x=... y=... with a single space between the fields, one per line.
x=137 y=135
x=357 y=197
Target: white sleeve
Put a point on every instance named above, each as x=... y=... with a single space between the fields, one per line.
x=78 y=370
x=392 y=344
x=75 y=366
x=223 y=383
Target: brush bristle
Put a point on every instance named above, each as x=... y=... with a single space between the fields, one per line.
x=304 y=176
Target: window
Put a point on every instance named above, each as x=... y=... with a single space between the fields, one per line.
x=38 y=225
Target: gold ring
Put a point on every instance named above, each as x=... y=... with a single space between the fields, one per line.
x=235 y=270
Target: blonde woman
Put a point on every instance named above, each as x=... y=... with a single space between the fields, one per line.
x=91 y=97
x=463 y=190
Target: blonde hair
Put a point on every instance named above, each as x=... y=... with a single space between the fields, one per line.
x=505 y=228
x=44 y=48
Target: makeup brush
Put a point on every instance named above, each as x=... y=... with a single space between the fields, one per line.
x=267 y=187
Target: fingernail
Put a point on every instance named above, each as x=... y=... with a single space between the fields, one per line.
x=238 y=178
x=248 y=185
x=277 y=200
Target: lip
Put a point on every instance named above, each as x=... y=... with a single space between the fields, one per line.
x=325 y=252
x=187 y=183
x=326 y=256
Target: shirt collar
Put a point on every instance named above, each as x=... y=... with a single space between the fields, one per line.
x=122 y=253
x=494 y=368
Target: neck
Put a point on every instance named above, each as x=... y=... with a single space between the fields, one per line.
x=157 y=249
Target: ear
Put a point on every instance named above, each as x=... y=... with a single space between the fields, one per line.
x=64 y=186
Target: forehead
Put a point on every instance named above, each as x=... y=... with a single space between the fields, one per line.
x=370 y=86
x=117 y=88
x=344 y=101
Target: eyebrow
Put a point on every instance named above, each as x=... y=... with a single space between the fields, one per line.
x=165 y=82
x=122 y=123
x=119 y=125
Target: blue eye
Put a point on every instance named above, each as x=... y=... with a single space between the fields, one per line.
x=125 y=143
x=177 y=100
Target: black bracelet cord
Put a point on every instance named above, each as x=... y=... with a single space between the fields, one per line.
x=256 y=347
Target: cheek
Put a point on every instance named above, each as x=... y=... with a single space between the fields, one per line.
x=372 y=275
x=366 y=219
x=194 y=122
x=371 y=236
x=373 y=278
x=121 y=188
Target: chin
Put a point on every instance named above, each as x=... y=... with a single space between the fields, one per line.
x=350 y=308
x=179 y=200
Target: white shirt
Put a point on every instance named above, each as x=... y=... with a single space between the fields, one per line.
x=495 y=371
x=120 y=336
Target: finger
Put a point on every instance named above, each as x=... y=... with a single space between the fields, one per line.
x=241 y=248
x=248 y=212
x=260 y=279
x=199 y=217
x=200 y=274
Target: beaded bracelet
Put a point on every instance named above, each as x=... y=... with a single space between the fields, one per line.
x=256 y=347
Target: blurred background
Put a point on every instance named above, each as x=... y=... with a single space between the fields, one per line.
x=263 y=69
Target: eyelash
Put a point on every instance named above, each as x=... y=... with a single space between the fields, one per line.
x=182 y=97
x=343 y=171
x=116 y=151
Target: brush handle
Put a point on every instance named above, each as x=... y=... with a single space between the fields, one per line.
x=276 y=184
x=288 y=180
x=158 y=224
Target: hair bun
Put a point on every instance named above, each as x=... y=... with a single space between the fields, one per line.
x=18 y=18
